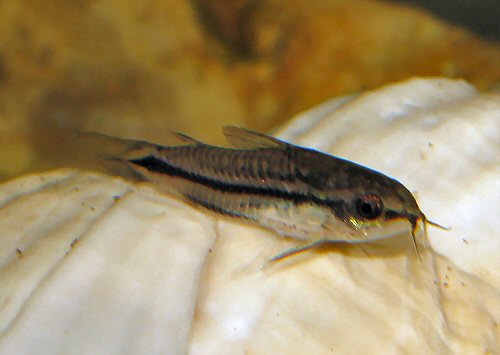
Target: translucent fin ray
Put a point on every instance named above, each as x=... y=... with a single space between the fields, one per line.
x=187 y=139
x=295 y=251
x=246 y=139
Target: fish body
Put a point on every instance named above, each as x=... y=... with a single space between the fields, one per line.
x=295 y=191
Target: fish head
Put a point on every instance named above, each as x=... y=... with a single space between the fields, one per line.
x=374 y=206
x=380 y=212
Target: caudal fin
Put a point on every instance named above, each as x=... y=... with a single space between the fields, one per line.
x=110 y=155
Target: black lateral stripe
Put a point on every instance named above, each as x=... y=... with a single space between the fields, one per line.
x=156 y=165
x=390 y=214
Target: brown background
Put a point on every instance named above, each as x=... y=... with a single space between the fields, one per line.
x=141 y=68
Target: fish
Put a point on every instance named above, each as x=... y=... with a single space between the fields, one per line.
x=298 y=192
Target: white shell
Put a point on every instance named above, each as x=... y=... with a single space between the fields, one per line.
x=91 y=264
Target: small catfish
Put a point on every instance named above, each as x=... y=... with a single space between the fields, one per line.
x=298 y=192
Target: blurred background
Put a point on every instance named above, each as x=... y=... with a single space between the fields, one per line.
x=142 y=68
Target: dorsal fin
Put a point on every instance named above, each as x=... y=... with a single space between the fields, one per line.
x=246 y=139
x=186 y=139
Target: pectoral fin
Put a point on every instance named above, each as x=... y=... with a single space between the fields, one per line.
x=295 y=251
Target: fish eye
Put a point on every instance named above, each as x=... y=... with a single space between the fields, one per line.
x=369 y=206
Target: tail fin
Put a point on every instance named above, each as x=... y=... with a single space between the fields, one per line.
x=91 y=151
x=110 y=155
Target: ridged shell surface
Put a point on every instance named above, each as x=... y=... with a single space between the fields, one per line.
x=92 y=264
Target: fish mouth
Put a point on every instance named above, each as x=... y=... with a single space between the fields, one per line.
x=414 y=219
